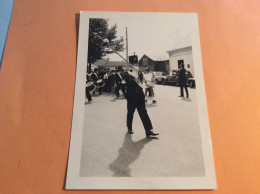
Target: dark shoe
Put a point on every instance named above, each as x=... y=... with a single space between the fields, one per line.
x=130 y=131
x=154 y=101
x=150 y=133
x=187 y=96
x=181 y=96
x=90 y=99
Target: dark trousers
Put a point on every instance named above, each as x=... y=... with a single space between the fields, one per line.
x=99 y=91
x=88 y=95
x=140 y=106
x=106 y=88
x=150 y=91
x=118 y=87
x=186 y=90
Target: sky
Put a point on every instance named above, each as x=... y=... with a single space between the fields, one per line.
x=150 y=34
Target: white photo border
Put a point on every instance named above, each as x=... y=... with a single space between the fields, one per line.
x=75 y=182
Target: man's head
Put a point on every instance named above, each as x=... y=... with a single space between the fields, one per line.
x=182 y=65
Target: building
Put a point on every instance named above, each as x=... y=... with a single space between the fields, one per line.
x=111 y=65
x=182 y=53
x=154 y=63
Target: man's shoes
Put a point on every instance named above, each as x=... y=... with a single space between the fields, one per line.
x=90 y=100
x=154 y=101
x=150 y=133
x=130 y=131
x=187 y=96
x=181 y=96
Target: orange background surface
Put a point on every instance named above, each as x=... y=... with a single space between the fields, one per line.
x=37 y=81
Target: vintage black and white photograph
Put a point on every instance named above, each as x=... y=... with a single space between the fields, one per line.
x=140 y=115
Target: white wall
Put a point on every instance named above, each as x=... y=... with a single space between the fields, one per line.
x=181 y=54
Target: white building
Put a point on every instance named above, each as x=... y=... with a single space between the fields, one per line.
x=182 y=53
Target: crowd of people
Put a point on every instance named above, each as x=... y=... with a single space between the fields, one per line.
x=131 y=83
x=135 y=85
x=114 y=81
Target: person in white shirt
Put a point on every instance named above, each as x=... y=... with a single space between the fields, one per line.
x=105 y=78
x=148 y=77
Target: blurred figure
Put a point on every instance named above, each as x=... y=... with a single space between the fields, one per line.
x=111 y=81
x=94 y=78
x=182 y=81
x=118 y=81
x=88 y=95
x=105 y=78
x=148 y=79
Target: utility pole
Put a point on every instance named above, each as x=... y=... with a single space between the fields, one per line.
x=126 y=46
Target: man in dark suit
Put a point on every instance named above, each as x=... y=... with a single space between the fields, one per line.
x=94 y=78
x=111 y=81
x=183 y=81
x=87 y=91
x=136 y=100
x=118 y=80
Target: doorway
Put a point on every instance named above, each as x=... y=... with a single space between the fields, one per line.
x=180 y=62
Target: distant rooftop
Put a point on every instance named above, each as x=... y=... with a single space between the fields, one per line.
x=185 y=42
x=157 y=57
x=107 y=63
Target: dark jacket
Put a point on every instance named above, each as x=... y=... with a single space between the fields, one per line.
x=182 y=77
x=134 y=92
x=118 y=79
x=111 y=80
x=94 y=77
x=88 y=78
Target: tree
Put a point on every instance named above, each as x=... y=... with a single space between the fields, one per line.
x=96 y=48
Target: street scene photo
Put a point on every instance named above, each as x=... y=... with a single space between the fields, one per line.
x=141 y=115
x=140 y=119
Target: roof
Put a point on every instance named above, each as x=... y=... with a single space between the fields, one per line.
x=106 y=63
x=183 y=43
x=157 y=57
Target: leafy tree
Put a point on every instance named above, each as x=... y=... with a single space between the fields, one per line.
x=96 y=48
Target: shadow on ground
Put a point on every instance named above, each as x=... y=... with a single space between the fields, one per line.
x=186 y=99
x=127 y=154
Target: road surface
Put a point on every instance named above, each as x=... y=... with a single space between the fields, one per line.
x=108 y=151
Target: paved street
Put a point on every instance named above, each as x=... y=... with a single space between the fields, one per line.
x=108 y=151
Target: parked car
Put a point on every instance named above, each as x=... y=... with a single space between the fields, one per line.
x=172 y=78
x=159 y=77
